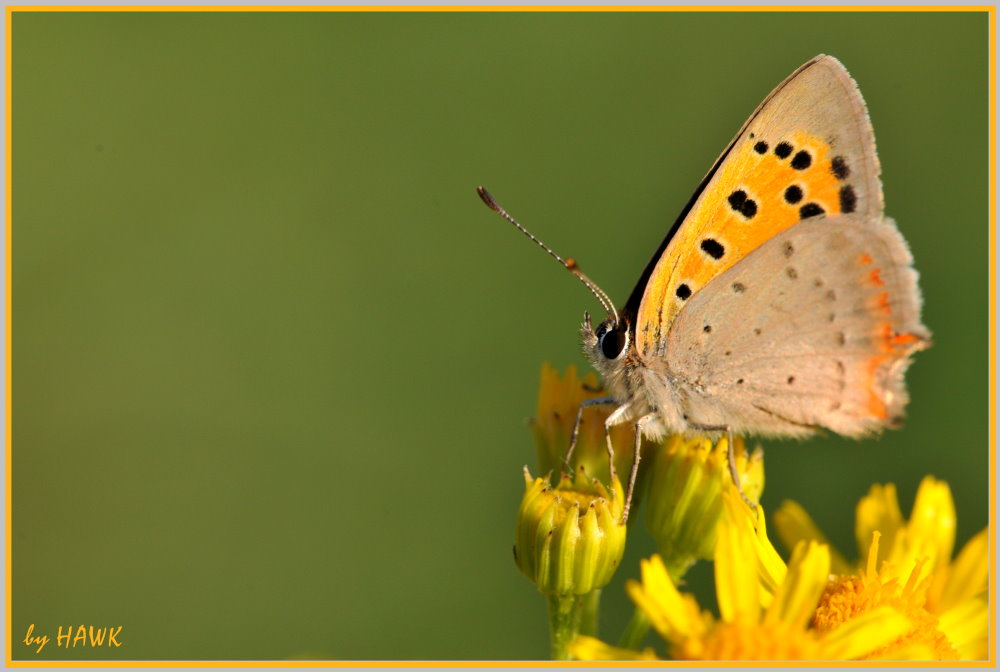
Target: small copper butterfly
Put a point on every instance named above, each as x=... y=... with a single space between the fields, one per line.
x=782 y=301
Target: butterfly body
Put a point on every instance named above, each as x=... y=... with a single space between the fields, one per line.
x=783 y=301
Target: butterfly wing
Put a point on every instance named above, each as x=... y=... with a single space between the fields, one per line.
x=808 y=150
x=814 y=329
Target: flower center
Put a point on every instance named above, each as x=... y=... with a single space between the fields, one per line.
x=847 y=597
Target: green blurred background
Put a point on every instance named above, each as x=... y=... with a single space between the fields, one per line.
x=272 y=357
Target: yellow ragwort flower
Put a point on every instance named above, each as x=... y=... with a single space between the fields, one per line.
x=907 y=565
x=559 y=399
x=569 y=539
x=686 y=479
x=766 y=607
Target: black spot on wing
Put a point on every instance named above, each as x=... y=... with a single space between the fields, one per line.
x=848 y=199
x=810 y=210
x=739 y=202
x=801 y=160
x=839 y=168
x=713 y=248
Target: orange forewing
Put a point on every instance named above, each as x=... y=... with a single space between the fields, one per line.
x=807 y=151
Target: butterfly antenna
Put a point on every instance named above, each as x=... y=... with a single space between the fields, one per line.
x=569 y=264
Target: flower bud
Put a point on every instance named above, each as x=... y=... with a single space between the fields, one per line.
x=569 y=540
x=686 y=481
x=559 y=399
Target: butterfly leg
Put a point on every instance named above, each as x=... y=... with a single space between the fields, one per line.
x=616 y=418
x=730 y=457
x=599 y=401
x=640 y=423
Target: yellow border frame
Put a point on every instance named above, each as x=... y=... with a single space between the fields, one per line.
x=990 y=9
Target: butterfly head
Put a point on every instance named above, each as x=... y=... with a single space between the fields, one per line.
x=607 y=346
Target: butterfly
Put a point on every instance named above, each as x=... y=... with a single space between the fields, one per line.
x=782 y=302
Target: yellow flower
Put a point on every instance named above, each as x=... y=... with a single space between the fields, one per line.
x=559 y=398
x=684 y=502
x=591 y=648
x=907 y=565
x=765 y=606
x=569 y=540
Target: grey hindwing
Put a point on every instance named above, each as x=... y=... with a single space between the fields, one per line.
x=812 y=330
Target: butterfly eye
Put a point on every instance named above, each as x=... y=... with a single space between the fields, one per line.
x=613 y=341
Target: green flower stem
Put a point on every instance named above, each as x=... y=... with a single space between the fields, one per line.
x=678 y=567
x=635 y=631
x=564 y=623
x=591 y=606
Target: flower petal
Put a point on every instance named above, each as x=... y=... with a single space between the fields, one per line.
x=967 y=628
x=675 y=616
x=737 y=585
x=969 y=574
x=770 y=567
x=878 y=511
x=793 y=524
x=930 y=532
x=808 y=574
x=867 y=633
x=909 y=651
x=590 y=648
